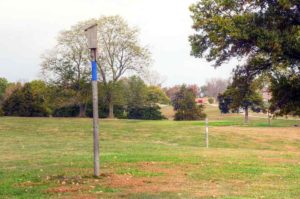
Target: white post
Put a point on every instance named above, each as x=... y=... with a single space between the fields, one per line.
x=206 y=132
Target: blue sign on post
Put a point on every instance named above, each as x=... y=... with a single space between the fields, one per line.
x=94 y=71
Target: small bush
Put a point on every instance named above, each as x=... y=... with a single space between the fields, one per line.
x=211 y=100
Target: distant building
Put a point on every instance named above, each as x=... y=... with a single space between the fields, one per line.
x=201 y=100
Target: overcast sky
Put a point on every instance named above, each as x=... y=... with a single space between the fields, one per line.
x=29 y=27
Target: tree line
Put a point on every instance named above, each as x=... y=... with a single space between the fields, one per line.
x=133 y=99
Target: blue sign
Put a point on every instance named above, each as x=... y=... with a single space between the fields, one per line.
x=94 y=71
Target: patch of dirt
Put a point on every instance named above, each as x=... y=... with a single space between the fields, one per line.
x=174 y=178
x=67 y=189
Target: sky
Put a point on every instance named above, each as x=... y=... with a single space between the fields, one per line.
x=28 y=28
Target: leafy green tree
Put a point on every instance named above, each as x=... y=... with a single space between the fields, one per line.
x=224 y=103
x=285 y=88
x=229 y=28
x=156 y=95
x=185 y=105
x=264 y=33
x=136 y=92
x=243 y=92
x=142 y=100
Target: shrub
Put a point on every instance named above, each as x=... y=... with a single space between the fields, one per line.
x=145 y=113
x=211 y=100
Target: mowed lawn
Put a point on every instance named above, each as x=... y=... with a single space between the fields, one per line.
x=52 y=158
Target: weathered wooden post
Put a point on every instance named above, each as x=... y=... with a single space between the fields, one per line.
x=206 y=132
x=91 y=33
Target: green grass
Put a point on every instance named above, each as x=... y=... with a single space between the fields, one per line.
x=52 y=158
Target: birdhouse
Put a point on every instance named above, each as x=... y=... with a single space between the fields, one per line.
x=91 y=34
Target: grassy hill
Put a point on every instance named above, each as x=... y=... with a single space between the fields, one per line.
x=47 y=157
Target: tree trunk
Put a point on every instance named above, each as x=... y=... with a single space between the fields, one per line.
x=246 y=115
x=82 y=110
x=111 y=110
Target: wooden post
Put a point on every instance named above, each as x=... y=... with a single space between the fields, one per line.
x=91 y=34
x=95 y=115
x=206 y=132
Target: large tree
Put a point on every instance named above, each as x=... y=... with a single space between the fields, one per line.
x=266 y=32
x=67 y=67
x=285 y=88
x=229 y=28
x=119 y=52
x=243 y=92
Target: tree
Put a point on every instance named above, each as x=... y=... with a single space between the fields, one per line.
x=23 y=102
x=136 y=94
x=171 y=92
x=67 y=67
x=214 y=87
x=153 y=78
x=264 y=32
x=3 y=86
x=10 y=89
x=142 y=100
x=185 y=105
x=120 y=52
x=227 y=28
x=224 y=103
x=156 y=95
x=285 y=88
x=242 y=93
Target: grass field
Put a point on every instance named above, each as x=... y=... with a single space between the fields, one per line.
x=52 y=158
